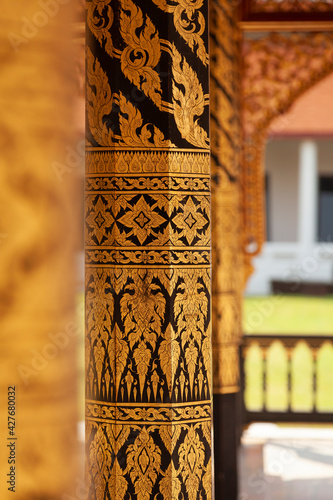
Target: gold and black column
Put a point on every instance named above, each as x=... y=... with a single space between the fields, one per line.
x=227 y=255
x=148 y=341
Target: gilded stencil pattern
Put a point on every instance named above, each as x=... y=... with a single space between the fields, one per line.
x=183 y=478
x=156 y=349
x=136 y=220
x=155 y=257
x=188 y=100
x=124 y=162
x=133 y=132
x=147 y=183
x=148 y=342
x=159 y=359
x=100 y=18
x=163 y=414
x=176 y=355
x=153 y=218
x=189 y=22
x=179 y=372
x=140 y=55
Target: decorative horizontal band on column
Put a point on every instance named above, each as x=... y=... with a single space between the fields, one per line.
x=148 y=161
x=144 y=212
x=157 y=412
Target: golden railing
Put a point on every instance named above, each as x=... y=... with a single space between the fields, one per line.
x=280 y=369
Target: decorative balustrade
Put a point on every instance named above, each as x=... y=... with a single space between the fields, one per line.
x=287 y=378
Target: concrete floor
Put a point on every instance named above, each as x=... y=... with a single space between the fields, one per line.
x=286 y=463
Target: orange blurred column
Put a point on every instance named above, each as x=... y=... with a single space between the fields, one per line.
x=227 y=255
x=37 y=324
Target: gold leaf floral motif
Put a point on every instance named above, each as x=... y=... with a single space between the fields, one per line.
x=170 y=486
x=206 y=430
x=100 y=18
x=88 y=470
x=207 y=358
x=148 y=414
x=165 y=432
x=99 y=300
x=143 y=220
x=147 y=257
x=148 y=162
x=170 y=435
x=191 y=356
x=131 y=121
x=142 y=53
x=118 y=435
x=100 y=460
x=121 y=278
x=129 y=379
x=169 y=353
x=117 y=483
x=188 y=100
x=190 y=221
x=189 y=22
x=118 y=353
x=99 y=307
x=193 y=412
x=99 y=102
x=98 y=220
x=142 y=310
x=207 y=480
x=142 y=357
x=87 y=353
x=143 y=464
x=182 y=382
x=191 y=308
x=191 y=462
x=99 y=354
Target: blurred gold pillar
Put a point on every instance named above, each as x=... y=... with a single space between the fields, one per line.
x=227 y=257
x=37 y=326
x=226 y=195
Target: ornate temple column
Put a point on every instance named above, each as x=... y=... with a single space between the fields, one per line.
x=148 y=341
x=227 y=278
x=38 y=369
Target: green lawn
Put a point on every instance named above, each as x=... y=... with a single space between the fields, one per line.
x=289 y=315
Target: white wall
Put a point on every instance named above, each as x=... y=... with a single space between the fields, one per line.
x=284 y=256
x=281 y=163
